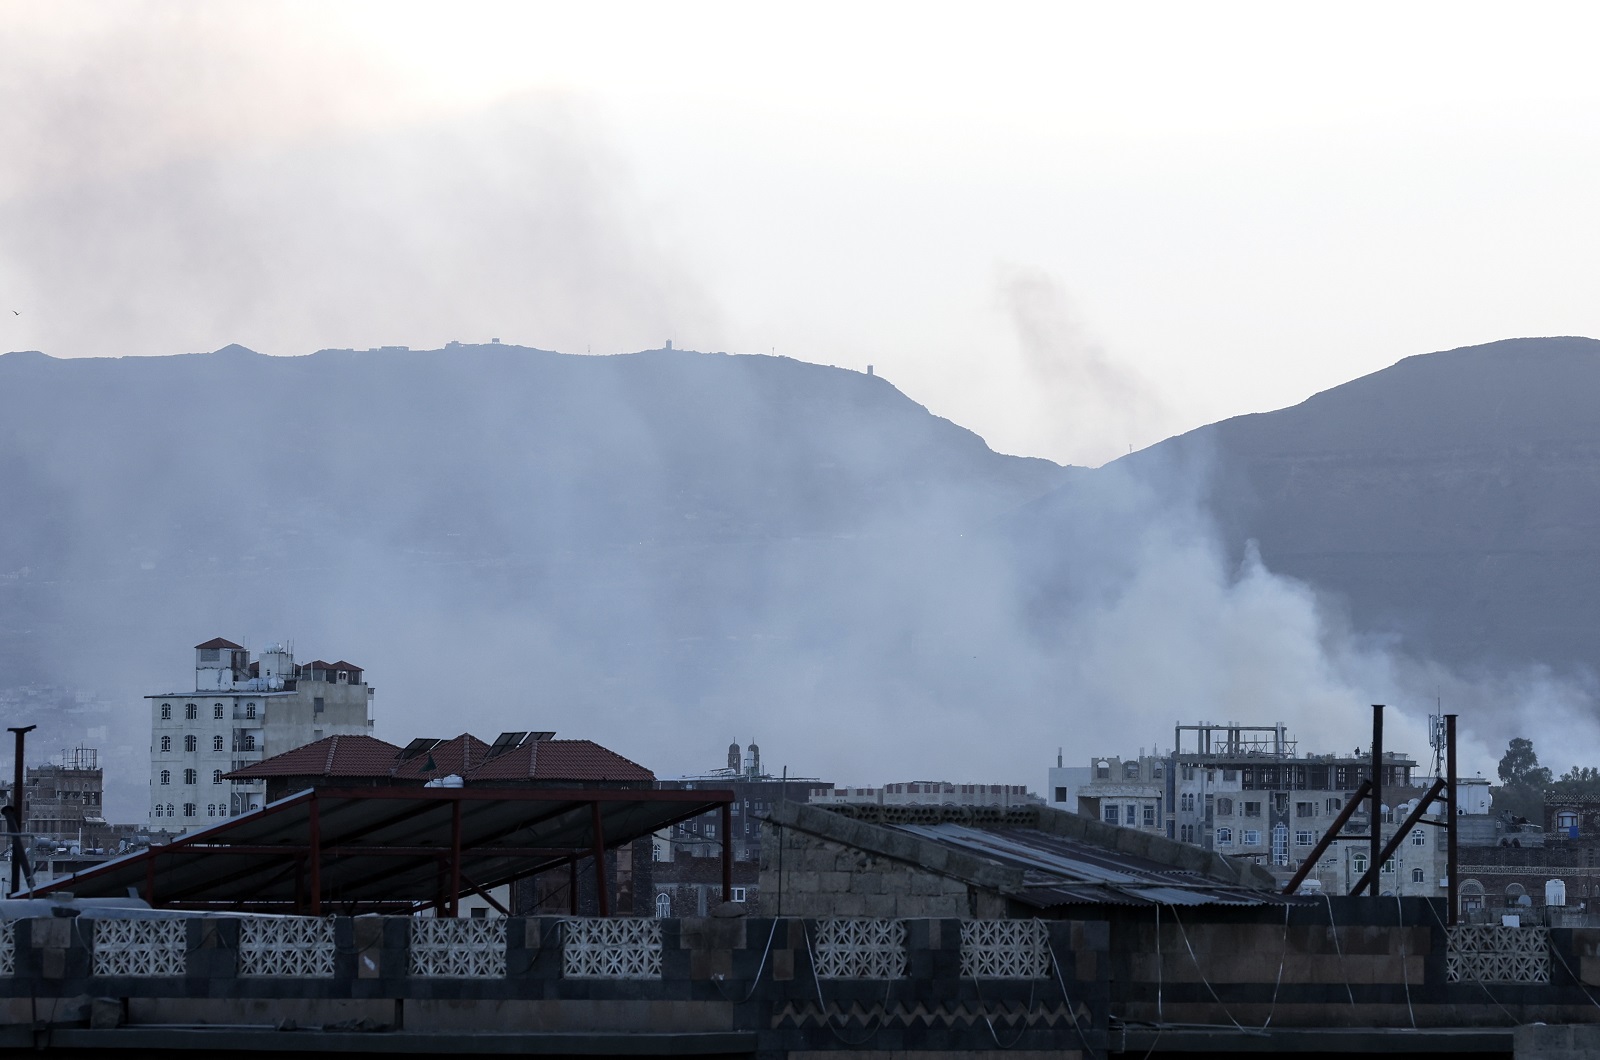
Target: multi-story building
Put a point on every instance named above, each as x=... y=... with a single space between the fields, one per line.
x=63 y=800
x=1245 y=791
x=241 y=711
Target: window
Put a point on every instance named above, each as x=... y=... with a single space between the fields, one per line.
x=1130 y=814
x=1388 y=867
x=190 y=711
x=1186 y=833
x=166 y=715
x=216 y=743
x=1159 y=771
x=1224 y=837
x=1102 y=770
x=1566 y=819
x=738 y=894
x=1305 y=809
x=1224 y=807
x=1280 y=844
x=216 y=776
x=1211 y=776
x=188 y=776
x=158 y=809
x=166 y=776
x=316 y=705
x=1334 y=806
x=1250 y=837
x=1061 y=794
x=216 y=711
x=211 y=809
x=210 y=654
x=1130 y=771
x=1304 y=838
x=249 y=741
x=1230 y=775
x=663 y=904
x=1188 y=772
x=166 y=743
x=1358 y=865
x=1252 y=809
x=1418 y=876
x=188 y=809
x=1149 y=815
x=190 y=742
x=1109 y=813
x=1280 y=802
x=1388 y=815
x=250 y=710
x=1419 y=838
x=1186 y=802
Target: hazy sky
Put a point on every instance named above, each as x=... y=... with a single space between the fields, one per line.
x=1073 y=228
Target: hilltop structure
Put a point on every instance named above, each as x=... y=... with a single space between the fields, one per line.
x=239 y=712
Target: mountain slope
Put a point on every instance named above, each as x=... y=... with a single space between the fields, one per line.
x=1452 y=499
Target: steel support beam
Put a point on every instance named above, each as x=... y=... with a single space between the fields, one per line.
x=314 y=830
x=1375 y=841
x=597 y=820
x=455 y=859
x=727 y=852
x=1400 y=833
x=1452 y=895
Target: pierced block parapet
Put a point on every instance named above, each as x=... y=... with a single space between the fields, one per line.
x=449 y=948
x=611 y=948
x=288 y=946
x=1487 y=954
x=8 y=947
x=861 y=949
x=1004 y=949
x=141 y=947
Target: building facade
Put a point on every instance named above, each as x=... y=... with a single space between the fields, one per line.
x=928 y=793
x=241 y=711
x=1246 y=791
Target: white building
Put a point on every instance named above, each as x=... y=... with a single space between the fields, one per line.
x=241 y=711
x=928 y=793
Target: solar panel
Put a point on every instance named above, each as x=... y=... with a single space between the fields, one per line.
x=418 y=746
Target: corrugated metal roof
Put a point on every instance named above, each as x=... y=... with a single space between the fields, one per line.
x=1061 y=870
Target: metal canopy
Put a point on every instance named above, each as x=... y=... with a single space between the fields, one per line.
x=392 y=849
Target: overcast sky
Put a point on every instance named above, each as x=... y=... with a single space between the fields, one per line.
x=1072 y=228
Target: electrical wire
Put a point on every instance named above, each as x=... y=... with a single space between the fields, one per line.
x=1405 y=975
x=1212 y=990
x=1334 y=929
x=755 y=980
x=1055 y=964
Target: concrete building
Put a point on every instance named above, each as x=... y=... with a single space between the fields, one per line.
x=63 y=800
x=1246 y=791
x=928 y=793
x=239 y=712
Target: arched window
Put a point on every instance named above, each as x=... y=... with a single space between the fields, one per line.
x=1224 y=837
x=158 y=809
x=166 y=743
x=191 y=711
x=1566 y=819
x=216 y=776
x=166 y=715
x=1224 y=807
x=170 y=811
x=216 y=710
x=1358 y=865
x=211 y=809
x=1418 y=876
x=190 y=742
x=1419 y=838
x=188 y=776
x=1515 y=890
x=663 y=904
x=1130 y=770
x=1102 y=770
x=166 y=776
x=216 y=743
x=249 y=741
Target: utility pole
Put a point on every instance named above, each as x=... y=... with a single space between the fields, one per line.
x=20 y=816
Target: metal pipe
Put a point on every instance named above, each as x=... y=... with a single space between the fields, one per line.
x=19 y=805
x=314 y=825
x=1375 y=840
x=1450 y=866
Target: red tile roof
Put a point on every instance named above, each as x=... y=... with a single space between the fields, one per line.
x=331 y=756
x=466 y=756
x=560 y=760
x=218 y=642
x=457 y=756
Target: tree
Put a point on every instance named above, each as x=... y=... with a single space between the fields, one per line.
x=1519 y=766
